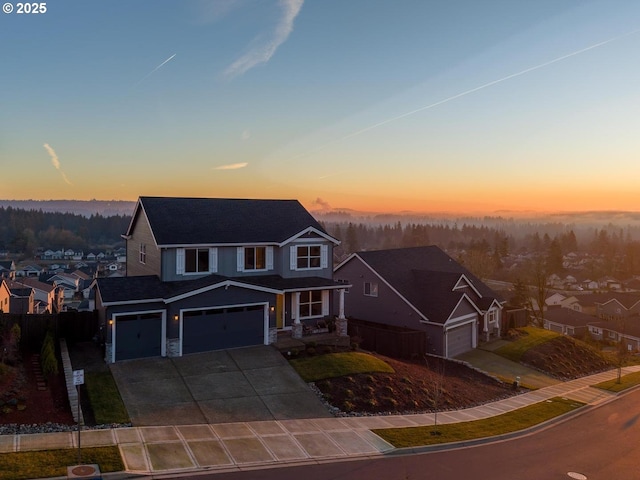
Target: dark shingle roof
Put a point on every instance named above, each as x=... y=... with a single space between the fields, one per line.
x=426 y=276
x=184 y=221
x=149 y=287
x=567 y=316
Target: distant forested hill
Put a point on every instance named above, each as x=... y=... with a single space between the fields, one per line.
x=27 y=230
x=80 y=207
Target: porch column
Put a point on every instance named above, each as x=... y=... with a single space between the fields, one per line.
x=341 y=322
x=296 y=328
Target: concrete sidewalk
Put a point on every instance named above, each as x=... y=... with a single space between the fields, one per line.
x=236 y=446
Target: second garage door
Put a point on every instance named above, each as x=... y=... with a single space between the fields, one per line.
x=219 y=328
x=459 y=340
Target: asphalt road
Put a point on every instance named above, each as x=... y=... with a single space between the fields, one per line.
x=601 y=444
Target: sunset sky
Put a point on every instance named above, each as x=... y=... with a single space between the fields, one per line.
x=459 y=106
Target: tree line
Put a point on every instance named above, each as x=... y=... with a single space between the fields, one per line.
x=484 y=249
x=24 y=231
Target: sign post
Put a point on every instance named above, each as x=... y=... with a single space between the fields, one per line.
x=78 y=379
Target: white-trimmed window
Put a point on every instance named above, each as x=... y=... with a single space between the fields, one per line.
x=370 y=289
x=196 y=260
x=314 y=303
x=142 y=253
x=309 y=257
x=255 y=259
x=492 y=316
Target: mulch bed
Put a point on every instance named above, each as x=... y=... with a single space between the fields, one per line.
x=23 y=402
x=416 y=386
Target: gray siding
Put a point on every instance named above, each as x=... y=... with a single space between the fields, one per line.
x=141 y=233
x=228 y=264
x=386 y=308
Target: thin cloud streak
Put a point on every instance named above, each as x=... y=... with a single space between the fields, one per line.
x=56 y=162
x=263 y=53
x=465 y=93
x=232 y=166
x=155 y=69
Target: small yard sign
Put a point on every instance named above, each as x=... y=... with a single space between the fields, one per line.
x=78 y=377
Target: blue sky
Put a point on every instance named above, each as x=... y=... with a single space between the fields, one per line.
x=466 y=106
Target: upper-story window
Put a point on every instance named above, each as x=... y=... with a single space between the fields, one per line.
x=142 y=253
x=371 y=289
x=255 y=259
x=309 y=257
x=196 y=260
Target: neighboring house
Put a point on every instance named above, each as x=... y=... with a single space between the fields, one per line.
x=625 y=331
x=617 y=306
x=422 y=288
x=206 y=274
x=7 y=269
x=567 y=321
x=44 y=293
x=16 y=298
x=29 y=271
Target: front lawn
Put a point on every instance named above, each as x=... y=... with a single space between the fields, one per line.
x=331 y=365
x=54 y=463
x=626 y=381
x=105 y=399
x=457 y=432
x=530 y=338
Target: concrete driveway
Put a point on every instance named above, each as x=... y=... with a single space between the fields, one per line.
x=238 y=385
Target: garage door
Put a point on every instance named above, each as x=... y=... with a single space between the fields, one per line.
x=138 y=336
x=460 y=340
x=215 y=329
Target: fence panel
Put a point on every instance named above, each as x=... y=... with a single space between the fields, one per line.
x=387 y=340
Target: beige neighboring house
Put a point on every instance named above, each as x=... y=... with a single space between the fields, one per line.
x=16 y=298
x=49 y=297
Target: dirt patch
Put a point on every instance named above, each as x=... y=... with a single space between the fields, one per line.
x=25 y=400
x=416 y=386
x=565 y=358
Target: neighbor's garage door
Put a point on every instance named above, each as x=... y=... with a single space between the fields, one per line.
x=138 y=336
x=215 y=329
x=459 y=340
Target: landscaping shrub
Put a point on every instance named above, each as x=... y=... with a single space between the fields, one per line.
x=48 y=357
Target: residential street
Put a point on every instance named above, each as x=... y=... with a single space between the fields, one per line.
x=601 y=444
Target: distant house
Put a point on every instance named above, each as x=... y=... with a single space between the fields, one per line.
x=625 y=331
x=206 y=274
x=16 y=298
x=7 y=269
x=422 y=289
x=46 y=294
x=567 y=321
x=29 y=271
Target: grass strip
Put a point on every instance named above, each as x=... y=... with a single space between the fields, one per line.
x=626 y=381
x=54 y=463
x=534 y=336
x=332 y=365
x=514 y=421
x=105 y=399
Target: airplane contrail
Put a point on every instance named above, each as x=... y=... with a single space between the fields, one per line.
x=468 y=92
x=155 y=69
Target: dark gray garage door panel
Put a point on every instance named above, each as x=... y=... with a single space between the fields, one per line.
x=217 y=329
x=138 y=336
x=460 y=340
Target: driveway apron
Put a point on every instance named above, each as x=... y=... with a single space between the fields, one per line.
x=224 y=386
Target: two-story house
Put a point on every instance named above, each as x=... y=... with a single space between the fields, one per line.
x=16 y=298
x=422 y=289
x=206 y=274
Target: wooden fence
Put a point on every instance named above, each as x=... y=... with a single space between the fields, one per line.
x=387 y=340
x=74 y=326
